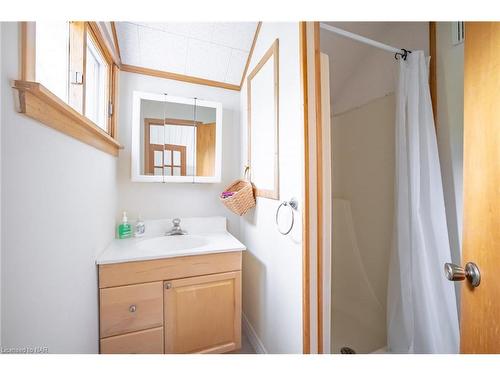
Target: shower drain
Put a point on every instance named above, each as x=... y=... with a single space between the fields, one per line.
x=347 y=350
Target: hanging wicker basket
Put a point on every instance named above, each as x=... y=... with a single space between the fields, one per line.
x=242 y=198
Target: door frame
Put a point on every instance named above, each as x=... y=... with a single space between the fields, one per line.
x=315 y=304
x=312 y=278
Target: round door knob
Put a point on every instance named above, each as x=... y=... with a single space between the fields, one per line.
x=168 y=285
x=132 y=308
x=454 y=272
x=471 y=272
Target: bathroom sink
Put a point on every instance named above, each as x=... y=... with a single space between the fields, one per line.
x=172 y=243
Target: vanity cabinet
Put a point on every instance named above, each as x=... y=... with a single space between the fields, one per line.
x=203 y=314
x=188 y=304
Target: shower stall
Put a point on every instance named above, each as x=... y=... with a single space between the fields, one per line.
x=388 y=214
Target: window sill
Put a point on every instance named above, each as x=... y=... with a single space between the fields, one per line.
x=39 y=103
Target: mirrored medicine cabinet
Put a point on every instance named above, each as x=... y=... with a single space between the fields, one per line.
x=175 y=139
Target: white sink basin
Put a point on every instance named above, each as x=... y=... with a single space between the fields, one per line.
x=172 y=243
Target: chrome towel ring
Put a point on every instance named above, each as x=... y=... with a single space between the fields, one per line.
x=293 y=204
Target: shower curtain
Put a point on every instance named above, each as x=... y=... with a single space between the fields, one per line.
x=421 y=307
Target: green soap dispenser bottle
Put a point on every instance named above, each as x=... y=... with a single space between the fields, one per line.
x=124 y=229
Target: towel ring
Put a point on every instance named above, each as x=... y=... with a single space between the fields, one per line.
x=293 y=204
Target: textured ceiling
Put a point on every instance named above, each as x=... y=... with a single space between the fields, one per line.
x=216 y=51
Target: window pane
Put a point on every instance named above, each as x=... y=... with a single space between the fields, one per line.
x=168 y=157
x=158 y=162
x=177 y=158
x=177 y=171
x=52 y=56
x=96 y=78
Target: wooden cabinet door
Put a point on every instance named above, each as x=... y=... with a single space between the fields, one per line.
x=203 y=314
x=480 y=311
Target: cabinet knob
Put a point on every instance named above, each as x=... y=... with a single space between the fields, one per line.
x=132 y=308
x=168 y=285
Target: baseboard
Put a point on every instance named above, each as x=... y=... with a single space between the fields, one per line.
x=252 y=336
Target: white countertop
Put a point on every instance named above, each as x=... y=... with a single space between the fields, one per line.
x=210 y=233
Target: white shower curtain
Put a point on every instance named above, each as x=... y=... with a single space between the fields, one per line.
x=421 y=307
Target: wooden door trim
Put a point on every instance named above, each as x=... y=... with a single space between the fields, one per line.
x=306 y=298
x=171 y=121
x=312 y=284
x=319 y=184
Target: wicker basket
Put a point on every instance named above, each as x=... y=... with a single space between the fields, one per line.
x=242 y=200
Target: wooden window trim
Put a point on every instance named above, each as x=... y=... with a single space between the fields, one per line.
x=273 y=52
x=39 y=103
x=77 y=62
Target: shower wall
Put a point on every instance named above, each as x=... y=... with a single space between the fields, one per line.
x=363 y=185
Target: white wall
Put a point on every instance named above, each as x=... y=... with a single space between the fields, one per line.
x=272 y=266
x=450 y=129
x=58 y=210
x=159 y=200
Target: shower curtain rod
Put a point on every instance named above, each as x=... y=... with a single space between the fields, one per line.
x=359 y=38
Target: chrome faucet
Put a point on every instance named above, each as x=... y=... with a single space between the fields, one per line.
x=176 y=229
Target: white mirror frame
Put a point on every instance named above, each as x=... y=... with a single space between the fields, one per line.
x=135 y=163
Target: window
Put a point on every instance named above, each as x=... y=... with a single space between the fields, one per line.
x=96 y=82
x=52 y=57
x=68 y=80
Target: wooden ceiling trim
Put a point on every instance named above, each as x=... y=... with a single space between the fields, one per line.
x=178 y=77
x=250 y=53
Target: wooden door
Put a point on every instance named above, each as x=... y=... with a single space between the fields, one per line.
x=480 y=310
x=205 y=149
x=203 y=314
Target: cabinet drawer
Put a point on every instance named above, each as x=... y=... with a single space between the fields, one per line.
x=149 y=341
x=130 y=308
